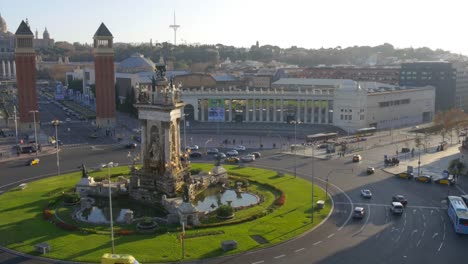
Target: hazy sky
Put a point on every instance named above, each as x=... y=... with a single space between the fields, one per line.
x=303 y=23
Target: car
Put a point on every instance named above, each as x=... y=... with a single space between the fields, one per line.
x=446 y=181
x=109 y=165
x=93 y=135
x=239 y=148
x=366 y=193
x=248 y=158
x=401 y=199
x=405 y=175
x=194 y=147
x=357 y=158
x=256 y=154
x=212 y=151
x=33 y=162
x=465 y=198
x=232 y=160
x=359 y=212
x=196 y=154
x=220 y=155
x=423 y=178
x=131 y=145
x=60 y=143
x=396 y=208
x=370 y=170
x=67 y=119
x=232 y=153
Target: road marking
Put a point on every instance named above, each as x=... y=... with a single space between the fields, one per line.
x=298 y=250
x=414 y=232
x=435 y=234
x=258 y=262
x=386 y=205
x=318 y=242
x=424 y=217
x=441 y=244
x=280 y=256
x=424 y=224
x=423 y=232
x=331 y=235
x=414 y=211
x=458 y=187
x=417 y=245
x=432 y=211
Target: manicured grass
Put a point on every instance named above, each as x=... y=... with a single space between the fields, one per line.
x=22 y=225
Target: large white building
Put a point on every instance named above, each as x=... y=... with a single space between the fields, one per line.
x=343 y=103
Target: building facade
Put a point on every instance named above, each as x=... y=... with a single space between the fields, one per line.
x=25 y=58
x=105 y=77
x=461 y=92
x=439 y=74
x=45 y=42
x=7 y=52
x=383 y=74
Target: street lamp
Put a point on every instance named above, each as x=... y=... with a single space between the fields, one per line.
x=56 y=123
x=110 y=205
x=16 y=124
x=206 y=142
x=35 y=131
x=312 y=172
x=295 y=147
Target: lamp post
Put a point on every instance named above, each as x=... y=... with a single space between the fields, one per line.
x=312 y=172
x=56 y=123
x=295 y=148
x=206 y=142
x=110 y=206
x=185 y=135
x=16 y=124
x=35 y=131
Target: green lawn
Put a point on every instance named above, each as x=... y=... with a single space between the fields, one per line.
x=22 y=224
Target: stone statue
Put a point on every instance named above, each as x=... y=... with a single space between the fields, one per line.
x=153 y=84
x=161 y=71
x=153 y=152
x=218 y=160
x=185 y=195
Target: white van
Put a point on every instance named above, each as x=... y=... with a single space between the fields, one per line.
x=396 y=208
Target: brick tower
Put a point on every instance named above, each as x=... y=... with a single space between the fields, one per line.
x=25 y=58
x=105 y=77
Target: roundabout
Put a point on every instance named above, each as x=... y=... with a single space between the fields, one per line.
x=32 y=215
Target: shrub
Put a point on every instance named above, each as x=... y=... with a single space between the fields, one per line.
x=71 y=198
x=224 y=211
x=47 y=214
x=281 y=200
x=125 y=232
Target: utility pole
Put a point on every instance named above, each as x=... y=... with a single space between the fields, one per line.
x=16 y=124
x=35 y=130
x=175 y=27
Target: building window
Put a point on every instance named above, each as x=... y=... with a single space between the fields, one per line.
x=350 y=117
x=362 y=117
x=342 y=116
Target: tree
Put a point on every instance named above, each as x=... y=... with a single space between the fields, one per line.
x=76 y=85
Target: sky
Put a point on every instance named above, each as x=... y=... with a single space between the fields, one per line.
x=303 y=23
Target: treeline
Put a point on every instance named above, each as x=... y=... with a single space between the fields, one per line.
x=184 y=56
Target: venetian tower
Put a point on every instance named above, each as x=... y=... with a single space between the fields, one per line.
x=25 y=58
x=105 y=77
x=159 y=112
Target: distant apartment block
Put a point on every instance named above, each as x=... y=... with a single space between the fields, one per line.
x=388 y=75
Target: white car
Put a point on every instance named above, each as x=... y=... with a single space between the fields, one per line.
x=194 y=147
x=110 y=164
x=248 y=158
x=366 y=193
x=232 y=153
x=239 y=148
x=67 y=119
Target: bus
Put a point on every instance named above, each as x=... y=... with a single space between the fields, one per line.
x=368 y=131
x=321 y=137
x=458 y=214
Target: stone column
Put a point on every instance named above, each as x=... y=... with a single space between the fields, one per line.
x=230 y=110
x=281 y=112
x=298 y=111
x=247 y=110
x=14 y=68
x=261 y=110
x=326 y=112
x=268 y=109
x=254 y=112
x=3 y=69
x=202 y=109
x=196 y=111
x=274 y=110
x=8 y=69
x=305 y=111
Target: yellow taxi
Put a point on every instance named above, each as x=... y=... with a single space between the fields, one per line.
x=232 y=160
x=118 y=259
x=33 y=162
x=423 y=178
x=405 y=175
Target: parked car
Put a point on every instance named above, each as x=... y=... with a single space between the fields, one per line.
x=366 y=193
x=212 y=151
x=405 y=175
x=396 y=208
x=239 y=148
x=220 y=155
x=359 y=212
x=194 y=147
x=196 y=154
x=232 y=153
x=423 y=178
x=110 y=164
x=93 y=135
x=234 y=160
x=357 y=158
x=67 y=119
x=370 y=170
x=33 y=162
x=248 y=158
x=401 y=199
x=447 y=181
x=256 y=154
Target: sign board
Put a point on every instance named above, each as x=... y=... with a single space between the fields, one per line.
x=216 y=110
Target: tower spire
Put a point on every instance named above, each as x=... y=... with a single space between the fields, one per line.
x=175 y=27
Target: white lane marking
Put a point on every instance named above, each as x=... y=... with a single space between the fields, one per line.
x=432 y=211
x=424 y=217
x=435 y=234
x=318 y=242
x=258 y=262
x=384 y=205
x=458 y=187
x=414 y=211
x=424 y=224
x=331 y=235
x=423 y=232
x=441 y=244
x=414 y=231
x=280 y=256
x=417 y=245
x=299 y=250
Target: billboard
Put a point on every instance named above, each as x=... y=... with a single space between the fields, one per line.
x=216 y=110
